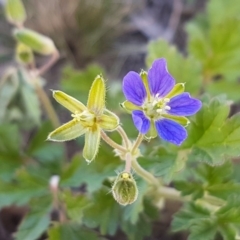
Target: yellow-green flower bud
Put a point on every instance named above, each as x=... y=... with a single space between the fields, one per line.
x=15 y=12
x=125 y=189
x=24 y=54
x=35 y=41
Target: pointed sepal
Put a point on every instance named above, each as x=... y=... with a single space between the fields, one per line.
x=177 y=89
x=179 y=119
x=72 y=104
x=97 y=94
x=129 y=106
x=108 y=121
x=92 y=142
x=67 y=131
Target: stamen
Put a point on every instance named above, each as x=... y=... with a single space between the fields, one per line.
x=156 y=99
x=159 y=110
x=166 y=100
x=167 y=108
x=154 y=102
x=76 y=115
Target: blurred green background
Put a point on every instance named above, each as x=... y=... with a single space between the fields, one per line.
x=201 y=42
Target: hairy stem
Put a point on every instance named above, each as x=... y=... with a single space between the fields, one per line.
x=128 y=163
x=144 y=174
x=124 y=136
x=111 y=143
x=137 y=142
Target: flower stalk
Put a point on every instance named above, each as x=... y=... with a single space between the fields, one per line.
x=111 y=143
x=46 y=104
x=123 y=135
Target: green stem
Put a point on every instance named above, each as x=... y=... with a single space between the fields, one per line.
x=167 y=192
x=144 y=174
x=171 y=194
x=111 y=143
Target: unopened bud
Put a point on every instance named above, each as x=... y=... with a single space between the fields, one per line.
x=15 y=12
x=125 y=189
x=24 y=54
x=37 y=42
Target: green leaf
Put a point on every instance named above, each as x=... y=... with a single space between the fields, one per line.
x=164 y=163
x=230 y=213
x=28 y=184
x=228 y=217
x=191 y=214
x=8 y=87
x=204 y=230
x=228 y=232
x=203 y=224
x=79 y=172
x=30 y=101
x=231 y=89
x=71 y=231
x=47 y=153
x=211 y=136
x=10 y=153
x=206 y=179
x=214 y=174
x=224 y=190
x=36 y=221
x=75 y=204
x=184 y=70
x=221 y=10
x=190 y=188
x=140 y=230
x=197 y=44
x=104 y=213
x=217 y=46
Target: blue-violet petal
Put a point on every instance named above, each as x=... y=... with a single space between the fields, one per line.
x=141 y=122
x=184 y=105
x=160 y=81
x=171 y=131
x=133 y=88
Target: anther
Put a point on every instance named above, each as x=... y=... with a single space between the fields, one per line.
x=167 y=107
x=76 y=115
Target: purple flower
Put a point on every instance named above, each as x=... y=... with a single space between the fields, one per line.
x=157 y=104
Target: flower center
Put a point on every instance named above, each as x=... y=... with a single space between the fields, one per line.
x=156 y=107
x=87 y=118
